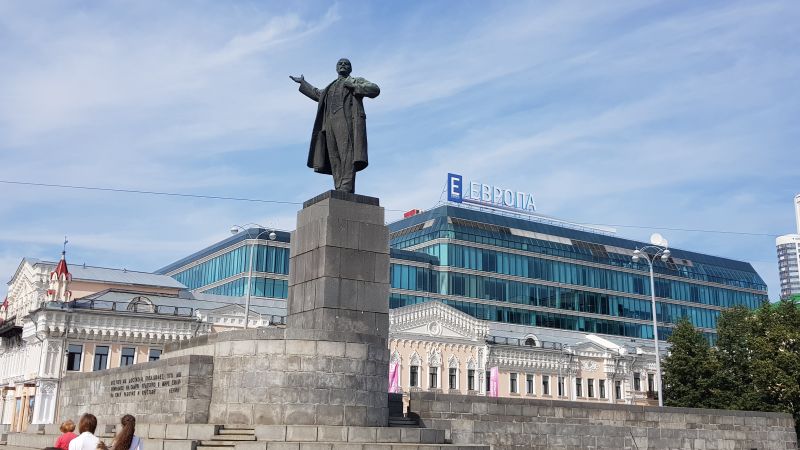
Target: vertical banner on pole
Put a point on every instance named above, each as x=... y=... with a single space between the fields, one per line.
x=394 y=377
x=494 y=382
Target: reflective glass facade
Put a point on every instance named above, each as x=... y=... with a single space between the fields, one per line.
x=222 y=268
x=512 y=270
x=266 y=259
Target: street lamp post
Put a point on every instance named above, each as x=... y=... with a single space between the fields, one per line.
x=235 y=229
x=659 y=249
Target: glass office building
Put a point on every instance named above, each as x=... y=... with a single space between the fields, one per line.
x=520 y=271
x=223 y=268
x=506 y=269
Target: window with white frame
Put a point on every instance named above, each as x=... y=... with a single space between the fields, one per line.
x=154 y=355
x=127 y=356
x=529 y=384
x=514 y=388
x=434 y=362
x=545 y=384
x=413 y=376
x=100 y=357
x=74 y=355
x=452 y=373
x=433 y=382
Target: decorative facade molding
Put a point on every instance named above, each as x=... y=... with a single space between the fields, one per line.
x=453 y=363
x=436 y=319
x=415 y=359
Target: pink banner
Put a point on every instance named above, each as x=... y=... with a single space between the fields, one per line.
x=494 y=382
x=394 y=378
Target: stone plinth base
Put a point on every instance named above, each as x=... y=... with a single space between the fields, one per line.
x=339 y=266
x=295 y=377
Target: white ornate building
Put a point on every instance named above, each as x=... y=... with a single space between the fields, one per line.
x=436 y=347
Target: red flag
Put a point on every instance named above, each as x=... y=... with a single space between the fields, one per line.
x=5 y=304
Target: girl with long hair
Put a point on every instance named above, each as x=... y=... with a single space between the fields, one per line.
x=125 y=439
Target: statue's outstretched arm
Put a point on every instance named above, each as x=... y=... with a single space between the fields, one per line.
x=365 y=88
x=306 y=88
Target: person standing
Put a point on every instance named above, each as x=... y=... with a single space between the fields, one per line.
x=86 y=440
x=339 y=138
x=125 y=439
x=68 y=430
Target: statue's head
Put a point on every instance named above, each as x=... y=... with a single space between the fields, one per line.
x=343 y=67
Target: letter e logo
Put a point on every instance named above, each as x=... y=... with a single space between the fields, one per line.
x=454 y=186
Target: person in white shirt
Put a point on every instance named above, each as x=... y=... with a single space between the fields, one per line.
x=86 y=439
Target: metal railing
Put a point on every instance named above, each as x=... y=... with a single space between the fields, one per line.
x=531 y=343
x=126 y=306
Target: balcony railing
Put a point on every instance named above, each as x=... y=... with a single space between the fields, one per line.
x=126 y=306
x=529 y=342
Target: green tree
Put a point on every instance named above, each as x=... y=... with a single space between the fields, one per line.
x=776 y=357
x=735 y=334
x=691 y=370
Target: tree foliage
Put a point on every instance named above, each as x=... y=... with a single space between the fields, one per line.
x=690 y=371
x=754 y=366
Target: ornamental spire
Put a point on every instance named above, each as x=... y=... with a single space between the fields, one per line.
x=60 y=279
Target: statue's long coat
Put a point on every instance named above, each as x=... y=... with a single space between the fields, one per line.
x=318 y=151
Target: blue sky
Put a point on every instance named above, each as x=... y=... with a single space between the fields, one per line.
x=659 y=114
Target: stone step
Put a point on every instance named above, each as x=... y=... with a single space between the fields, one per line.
x=403 y=422
x=237 y=427
x=321 y=433
x=349 y=446
x=234 y=437
x=224 y=442
x=242 y=431
x=213 y=442
x=214 y=447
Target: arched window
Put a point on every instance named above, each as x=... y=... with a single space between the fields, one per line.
x=141 y=304
x=531 y=341
x=434 y=364
x=413 y=376
x=471 y=385
x=452 y=373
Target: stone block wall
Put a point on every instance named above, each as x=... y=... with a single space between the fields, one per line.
x=510 y=423
x=294 y=377
x=175 y=390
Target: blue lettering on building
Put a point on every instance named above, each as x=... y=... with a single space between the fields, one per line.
x=454 y=185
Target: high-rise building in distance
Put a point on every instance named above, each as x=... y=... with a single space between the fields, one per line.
x=788 y=247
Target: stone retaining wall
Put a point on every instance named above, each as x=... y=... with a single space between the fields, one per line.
x=294 y=377
x=175 y=390
x=510 y=423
